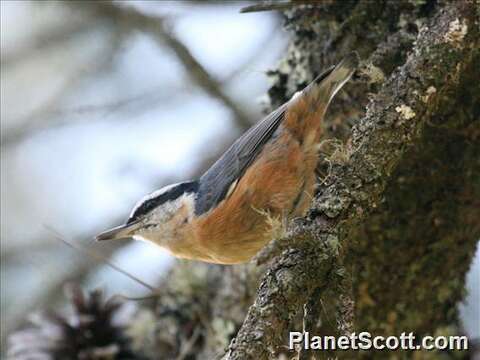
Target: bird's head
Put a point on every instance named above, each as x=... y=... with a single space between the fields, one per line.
x=160 y=217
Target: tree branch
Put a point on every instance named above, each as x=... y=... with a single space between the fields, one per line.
x=38 y=120
x=156 y=28
x=269 y=6
x=378 y=144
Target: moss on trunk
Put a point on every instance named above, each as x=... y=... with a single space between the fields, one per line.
x=394 y=226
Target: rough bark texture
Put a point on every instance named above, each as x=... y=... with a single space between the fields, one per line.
x=394 y=226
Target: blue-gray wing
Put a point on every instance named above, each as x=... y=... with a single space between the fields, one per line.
x=215 y=183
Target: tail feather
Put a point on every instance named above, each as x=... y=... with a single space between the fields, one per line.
x=326 y=85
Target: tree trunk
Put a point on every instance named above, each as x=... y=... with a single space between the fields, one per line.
x=393 y=228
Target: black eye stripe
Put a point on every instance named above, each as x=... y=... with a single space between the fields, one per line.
x=172 y=194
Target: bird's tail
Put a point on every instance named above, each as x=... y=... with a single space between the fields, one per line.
x=326 y=85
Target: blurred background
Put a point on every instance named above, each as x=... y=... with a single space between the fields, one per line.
x=101 y=103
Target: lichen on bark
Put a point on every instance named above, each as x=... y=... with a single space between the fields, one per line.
x=393 y=227
x=399 y=203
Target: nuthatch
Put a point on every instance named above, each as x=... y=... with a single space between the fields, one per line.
x=268 y=172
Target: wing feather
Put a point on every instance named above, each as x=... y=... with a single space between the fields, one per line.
x=217 y=181
x=220 y=180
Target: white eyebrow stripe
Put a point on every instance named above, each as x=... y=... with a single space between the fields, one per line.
x=151 y=196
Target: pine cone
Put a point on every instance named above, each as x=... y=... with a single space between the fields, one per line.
x=90 y=333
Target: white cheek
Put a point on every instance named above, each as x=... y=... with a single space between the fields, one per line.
x=162 y=233
x=139 y=238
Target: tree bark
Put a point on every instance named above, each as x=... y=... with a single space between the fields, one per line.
x=394 y=226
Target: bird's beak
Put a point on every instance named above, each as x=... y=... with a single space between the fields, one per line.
x=120 y=232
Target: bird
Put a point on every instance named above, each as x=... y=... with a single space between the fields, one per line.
x=225 y=216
